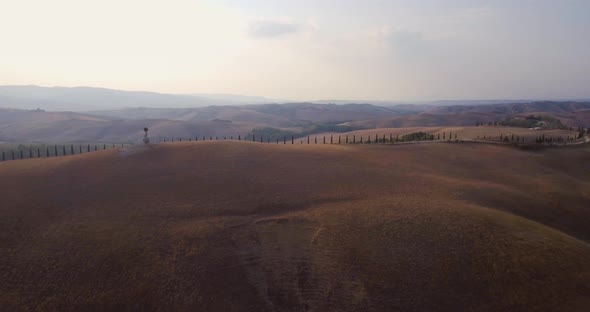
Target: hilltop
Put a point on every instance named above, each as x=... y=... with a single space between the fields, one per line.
x=222 y=226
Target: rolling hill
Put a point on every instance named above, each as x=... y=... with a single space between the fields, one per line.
x=39 y=126
x=233 y=226
x=125 y=125
x=90 y=98
x=469 y=133
x=570 y=113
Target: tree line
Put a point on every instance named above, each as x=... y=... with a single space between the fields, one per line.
x=47 y=151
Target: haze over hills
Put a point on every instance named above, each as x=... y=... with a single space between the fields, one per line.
x=95 y=99
x=124 y=125
x=90 y=98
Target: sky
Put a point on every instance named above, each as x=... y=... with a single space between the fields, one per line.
x=303 y=49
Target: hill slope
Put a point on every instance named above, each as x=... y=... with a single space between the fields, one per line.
x=40 y=126
x=89 y=98
x=222 y=226
x=569 y=113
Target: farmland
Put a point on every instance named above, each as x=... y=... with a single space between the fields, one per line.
x=246 y=226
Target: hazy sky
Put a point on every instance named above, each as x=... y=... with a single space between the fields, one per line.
x=303 y=49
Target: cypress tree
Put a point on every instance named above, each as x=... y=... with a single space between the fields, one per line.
x=383 y=142
x=38 y=152
x=316 y=140
x=47 y=152
x=455 y=135
x=354 y=139
x=346 y=139
x=95 y=149
x=292 y=140
x=30 y=153
x=331 y=139
x=239 y=137
x=284 y=140
x=438 y=136
x=361 y=139
x=253 y=138
x=80 y=146
x=21 y=154
x=72 y=148
x=12 y=155
x=56 y=150
x=3 y=156
x=444 y=135
x=308 y=139
x=64 y=150
x=339 y=139
x=89 y=148
x=324 y=139
x=376 y=139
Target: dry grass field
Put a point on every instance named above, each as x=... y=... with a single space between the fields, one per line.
x=240 y=226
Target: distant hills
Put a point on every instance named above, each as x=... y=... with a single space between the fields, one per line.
x=82 y=114
x=89 y=98
x=570 y=113
x=81 y=99
x=127 y=125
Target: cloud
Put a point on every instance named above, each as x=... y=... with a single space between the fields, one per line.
x=272 y=28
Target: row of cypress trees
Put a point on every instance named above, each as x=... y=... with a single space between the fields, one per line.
x=340 y=139
x=54 y=151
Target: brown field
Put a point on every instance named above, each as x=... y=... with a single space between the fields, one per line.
x=235 y=226
x=462 y=132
